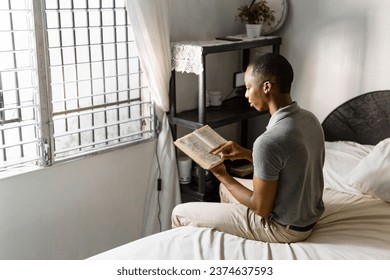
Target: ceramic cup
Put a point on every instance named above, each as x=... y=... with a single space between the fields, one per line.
x=215 y=97
x=185 y=167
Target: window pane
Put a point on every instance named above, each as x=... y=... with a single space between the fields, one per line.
x=18 y=85
x=99 y=94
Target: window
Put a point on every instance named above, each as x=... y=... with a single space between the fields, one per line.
x=81 y=91
x=19 y=124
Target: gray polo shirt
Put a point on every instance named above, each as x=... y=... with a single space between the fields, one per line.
x=292 y=151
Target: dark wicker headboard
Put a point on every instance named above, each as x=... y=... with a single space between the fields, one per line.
x=364 y=119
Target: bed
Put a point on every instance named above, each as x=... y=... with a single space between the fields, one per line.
x=356 y=222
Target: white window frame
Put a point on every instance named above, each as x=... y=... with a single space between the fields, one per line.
x=47 y=116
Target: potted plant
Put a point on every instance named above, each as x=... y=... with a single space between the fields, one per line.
x=255 y=15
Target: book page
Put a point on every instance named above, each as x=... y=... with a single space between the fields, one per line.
x=209 y=136
x=197 y=150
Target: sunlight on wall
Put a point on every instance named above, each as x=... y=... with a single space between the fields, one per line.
x=339 y=49
x=376 y=71
x=334 y=61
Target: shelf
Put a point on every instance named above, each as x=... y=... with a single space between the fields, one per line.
x=242 y=45
x=190 y=192
x=232 y=110
x=190 y=57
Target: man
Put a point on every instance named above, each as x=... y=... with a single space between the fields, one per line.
x=285 y=201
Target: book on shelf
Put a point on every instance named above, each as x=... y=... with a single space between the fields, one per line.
x=198 y=144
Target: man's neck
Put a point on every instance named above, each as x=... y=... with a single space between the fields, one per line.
x=279 y=101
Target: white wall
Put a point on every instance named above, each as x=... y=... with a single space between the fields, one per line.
x=339 y=49
x=77 y=209
x=204 y=20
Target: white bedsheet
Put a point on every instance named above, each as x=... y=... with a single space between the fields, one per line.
x=352 y=227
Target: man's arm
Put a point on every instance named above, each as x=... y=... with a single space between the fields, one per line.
x=260 y=200
x=231 y=150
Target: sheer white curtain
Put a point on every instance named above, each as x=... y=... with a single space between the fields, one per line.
x=150 y=21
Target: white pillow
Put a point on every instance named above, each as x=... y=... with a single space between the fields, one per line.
x=340 y=158
x=372 y=174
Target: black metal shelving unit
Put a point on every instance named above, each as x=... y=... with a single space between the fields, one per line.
x=233 y=110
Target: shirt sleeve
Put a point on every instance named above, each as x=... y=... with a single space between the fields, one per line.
x=267 y=159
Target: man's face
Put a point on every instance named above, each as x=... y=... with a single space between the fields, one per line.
x=254 y=91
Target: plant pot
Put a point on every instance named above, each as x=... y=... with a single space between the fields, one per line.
x=253 y=30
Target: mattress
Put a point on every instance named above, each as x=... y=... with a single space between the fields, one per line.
x=352 y=227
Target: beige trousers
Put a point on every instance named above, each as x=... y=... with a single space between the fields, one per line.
x=232 y=217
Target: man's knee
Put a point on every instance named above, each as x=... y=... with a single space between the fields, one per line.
x=177 y=213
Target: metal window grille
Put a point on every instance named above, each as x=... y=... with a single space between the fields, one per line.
x=99 y=94
x=73 y=90
x=19 y=118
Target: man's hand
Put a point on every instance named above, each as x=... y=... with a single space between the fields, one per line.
x=219 y=171
x=233 y=151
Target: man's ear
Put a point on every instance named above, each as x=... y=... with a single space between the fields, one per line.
x=267 y=86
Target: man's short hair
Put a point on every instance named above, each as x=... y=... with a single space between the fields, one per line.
x=274 y=67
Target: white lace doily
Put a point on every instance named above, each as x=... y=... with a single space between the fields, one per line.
x=187 y=57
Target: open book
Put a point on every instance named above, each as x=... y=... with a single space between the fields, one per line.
x=197 y=145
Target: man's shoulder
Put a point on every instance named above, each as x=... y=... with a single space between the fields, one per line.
x=269 y=140
x=306 y=112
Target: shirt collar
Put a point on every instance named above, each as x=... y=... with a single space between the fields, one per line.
x=281 y=113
